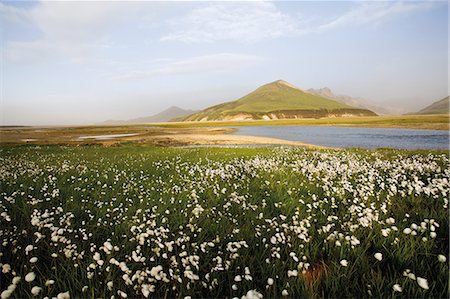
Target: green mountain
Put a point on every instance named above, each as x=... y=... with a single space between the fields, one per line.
x=439 y=107
x=278 y=100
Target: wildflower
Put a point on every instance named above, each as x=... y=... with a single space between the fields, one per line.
x=49 y=282
x=36 y=290
x=64 y=295
x=28 y=249
x=30 y=277
x=284 y=293
x=397 y=288
x=292 y=273
x=238 y=278
x=6 y=268
x=234 y=287
x=407 y=231
x=16 y=280
x=270 y=281
x=344 y=263
x=378 y=256
x=6 y=294
x=442 y=258
x=252 y=294
x=33 y=260
x=422 y=282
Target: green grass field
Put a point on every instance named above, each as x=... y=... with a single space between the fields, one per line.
x=141 y=221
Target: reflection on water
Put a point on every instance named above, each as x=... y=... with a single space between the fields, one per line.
x=353 y=137
x=105 y=137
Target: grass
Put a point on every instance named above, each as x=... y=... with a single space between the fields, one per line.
x=220 y=222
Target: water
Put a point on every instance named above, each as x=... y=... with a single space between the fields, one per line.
x=106 y=137
x=345 y=137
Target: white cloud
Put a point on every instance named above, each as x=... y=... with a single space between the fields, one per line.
x=74 y=29
x=372 y=12
x=246 y=22
x=256 y=21
x=207 y=63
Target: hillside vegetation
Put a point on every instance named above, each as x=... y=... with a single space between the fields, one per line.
x=277 y=100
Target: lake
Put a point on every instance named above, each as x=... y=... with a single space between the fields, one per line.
x=346 y=137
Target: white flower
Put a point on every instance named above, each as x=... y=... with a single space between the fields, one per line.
x=344 y=263
x=284 y=293
x=433 y=235
x=36 y=290
x=30 y=277
x=28 y=248
x=378 y=256
x=238 y=278
x=6 y=268
x=6 y=294
x=234 y=287
x=252 y=294
x=422 y=282
x=145 y=290
x=122 y=294
x=49 y=282
x=270 y=281
x=397 y=288
x=292 y=273
x=33 y=260
x=442 y=258
x=64 y=295
x=407 y=231
x=109 y=285
x=16 y=280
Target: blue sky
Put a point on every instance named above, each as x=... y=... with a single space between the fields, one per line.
x=85 y=62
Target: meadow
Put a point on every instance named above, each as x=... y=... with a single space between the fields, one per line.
x=135 y=220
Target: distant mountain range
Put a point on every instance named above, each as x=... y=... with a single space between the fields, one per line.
x=282 y=100
x=278 y=100
x=170 y=113
x=353 y=101
x=439 y=107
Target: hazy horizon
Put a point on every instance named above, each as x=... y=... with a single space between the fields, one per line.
x=87 y=62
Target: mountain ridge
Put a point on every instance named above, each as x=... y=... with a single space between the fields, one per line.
x=438 y=107
x=166 y=115
x=353 y=101
x=277 y=100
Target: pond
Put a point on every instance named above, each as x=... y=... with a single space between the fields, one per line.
x=106 y=137
x=346 y=137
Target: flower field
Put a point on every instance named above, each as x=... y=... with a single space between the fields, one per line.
x=138 y=221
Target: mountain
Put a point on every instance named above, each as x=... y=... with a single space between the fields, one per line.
x=277 y=100
x=439 y=107
x=163 y=116
x=355 y=102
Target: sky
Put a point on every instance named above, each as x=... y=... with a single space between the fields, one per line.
x=89 y=61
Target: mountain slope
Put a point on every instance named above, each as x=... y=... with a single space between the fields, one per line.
x=439 y=107
x=163 y=116
x=277 y=100
x=353 y=101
